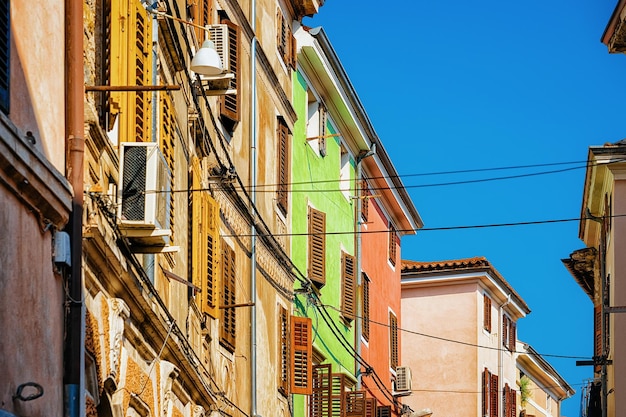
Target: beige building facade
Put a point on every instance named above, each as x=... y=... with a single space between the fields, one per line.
x=459 y=334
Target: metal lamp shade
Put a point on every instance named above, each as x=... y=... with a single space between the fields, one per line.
x=207 y=61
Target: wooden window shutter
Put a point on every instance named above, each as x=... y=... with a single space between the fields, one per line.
x=131 y=64
x=505 y=330
x=365 y=201
x=393 y=243
x=283 y=334
x=228 y=298
x=5 y=47
x=597 y=329
x=348 y=289
x=393 y=340
x=365 y=323
x=354 y=404
x=486 y=392
x=202 y=17
x=168 y=143
x=294 y=52
x=211 y=288
x=487 y=312
x=512 y=335
x=323 y=118
x=229 y=103
x=506 y=398
x=196 y=269
x=281 y=39
x=301 y=356
x=370 y=407
x=103 y=67
x=283 y=166
x=338 y=383
x=513 y=394
x=383 y=411
x=493 y=396
x=320 y=401
x=317 y=246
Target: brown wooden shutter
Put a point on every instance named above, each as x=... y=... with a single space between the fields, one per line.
x=301 y=355
x=493 y=396
x=348 y=289
x=597 y=330
x=365 y=322
x=229 y=103
x=513 y=394
x=338 y=386
x=512 y=335
x=317 y=246
x=283 y=166
x=142 y=69
x=487 y=312
x=320 y=401
x=383 y=411
x=228 y=314
x=354 y=404
x=370 y=407
x=365 y=201
x=281 y=39
x=506 y=398
x=505 y=330
x=5 y=47
x=393 y=340
x=201 y=16
x=486 y=392
x=283 y=334
x=323 y=117
x=393 y=241
x=294 y=52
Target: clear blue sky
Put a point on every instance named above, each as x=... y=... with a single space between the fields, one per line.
x=457 y=85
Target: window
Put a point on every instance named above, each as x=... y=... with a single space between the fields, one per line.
x=597 y=330
x=285 y=41
x=393 y=241
x=302 y=380
x=283 y=336
x=344 y=172
x=316 y=124
x=229 y=103
x=5 y=48
x=487 y=313
x=227 y=309
x=204 y=244
x=393 y=340
x=284 y=148
x=317 y=246
x=489 y=394
x=365 y=323
x=348 y=288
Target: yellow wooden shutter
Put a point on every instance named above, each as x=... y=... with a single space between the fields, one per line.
x=197 y=242
x=301 y=355
x=211 y=238
x=168 y=147
x=131 y=64
x=283 y=335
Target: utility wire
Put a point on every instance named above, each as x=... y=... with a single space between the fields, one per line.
x=432 y=229
x=461 y=342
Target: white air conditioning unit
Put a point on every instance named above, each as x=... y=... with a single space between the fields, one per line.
x=144 y=196
x=221 y=83
x=402 y=384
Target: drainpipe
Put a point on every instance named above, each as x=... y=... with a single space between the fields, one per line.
x=74 y=357
x=500 y=356
x=253 y=180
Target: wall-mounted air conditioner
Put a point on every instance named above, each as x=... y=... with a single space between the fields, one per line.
x=221 y=83
x=144 y=194
x=402 y=384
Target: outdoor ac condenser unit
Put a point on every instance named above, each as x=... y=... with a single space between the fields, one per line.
x=403 y=380
x=144 y=196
